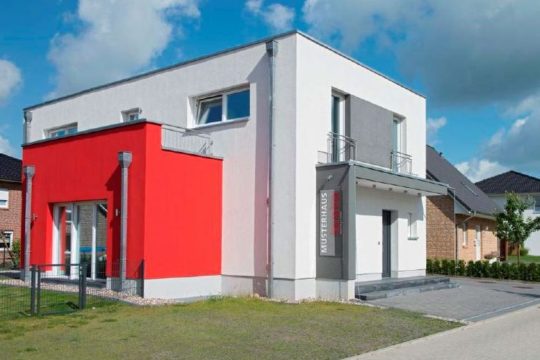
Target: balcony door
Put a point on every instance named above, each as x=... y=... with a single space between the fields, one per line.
x=80 y=235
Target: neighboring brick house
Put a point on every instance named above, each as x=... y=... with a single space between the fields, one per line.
x=10 y=203
x=460 y=225
x=526 y=186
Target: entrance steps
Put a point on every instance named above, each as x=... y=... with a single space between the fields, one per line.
x=385 y=288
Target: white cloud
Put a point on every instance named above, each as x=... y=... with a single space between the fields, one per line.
x=6 y=147
x=475 y=51
x=10 y=79
x=479 y=169
x=277 y=16
x=432 y=128
x=116 y=39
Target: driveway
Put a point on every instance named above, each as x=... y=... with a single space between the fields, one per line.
x=473 y=300
x=512 y=336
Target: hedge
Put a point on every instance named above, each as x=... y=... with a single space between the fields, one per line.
x=483 y=269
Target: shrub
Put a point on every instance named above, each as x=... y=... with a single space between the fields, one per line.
x=523 y=251
x=523 y=272
x=436 y=266
x=452 y=267
x=429 y=266
x=513 y=272
x=16 y=250
x=505 y=271
x=495 y=270
x=444 y=266
x=534 y=272
x=461 y=268
x=470 y=268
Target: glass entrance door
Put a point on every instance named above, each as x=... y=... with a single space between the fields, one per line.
x=80 y=235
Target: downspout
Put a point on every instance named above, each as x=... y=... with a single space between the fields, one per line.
x=471 y=215
x=271 y=51
x=29 y=172
x=124 y=158
x=456 y=242
x=27 y=126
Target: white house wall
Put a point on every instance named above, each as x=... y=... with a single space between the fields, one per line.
x=320 y=70
x=408 y=256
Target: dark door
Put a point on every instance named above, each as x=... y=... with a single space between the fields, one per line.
x=386 y=240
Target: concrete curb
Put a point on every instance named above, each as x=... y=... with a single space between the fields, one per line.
x=443 y=333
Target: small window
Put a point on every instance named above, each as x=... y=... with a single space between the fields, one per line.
x=4 y=198
x=7 y=240
x=224 y=107
x=412 y=227
x=465 y=240
x=62 y=131
x=131 y=114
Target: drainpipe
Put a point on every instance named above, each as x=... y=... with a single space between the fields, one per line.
x=471 y=215
x=27 y=126
x=29 y=172
x=271 y=51
x=124 y=158
x=456 y=242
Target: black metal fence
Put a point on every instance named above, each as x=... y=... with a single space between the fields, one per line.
x=61 y=288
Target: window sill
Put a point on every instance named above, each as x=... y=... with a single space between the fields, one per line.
x=218 y=124
x=413 y=238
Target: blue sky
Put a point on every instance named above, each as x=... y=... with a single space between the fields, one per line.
x=479 y=71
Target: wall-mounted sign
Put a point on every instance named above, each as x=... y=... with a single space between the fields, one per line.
x=330 y=221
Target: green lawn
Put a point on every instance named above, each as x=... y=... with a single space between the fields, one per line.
x=524 y=259
x=228 y=328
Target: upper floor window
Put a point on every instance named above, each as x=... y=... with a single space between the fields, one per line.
x=131 y=115
x=229 y=106
x=62 y=131
x=465 y=236
x=398 y=143
x=4 y=198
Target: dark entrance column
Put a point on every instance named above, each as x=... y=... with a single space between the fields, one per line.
x=386 y=243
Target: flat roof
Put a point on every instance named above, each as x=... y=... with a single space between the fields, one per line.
x=215 y=54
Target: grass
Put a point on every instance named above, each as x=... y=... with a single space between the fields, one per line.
x=224 y=328
x=524 y=259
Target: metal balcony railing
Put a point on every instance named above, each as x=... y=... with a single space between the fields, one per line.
x=401 y=162
x=181 y=139
x=340 y=148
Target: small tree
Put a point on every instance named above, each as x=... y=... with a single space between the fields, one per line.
x=512 y=226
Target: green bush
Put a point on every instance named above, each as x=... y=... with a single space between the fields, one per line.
x=452 y=267
x=16 y=250
x=444 y=266
x=461 y=268
x=436 y=266
x=469 y=270
x=429 y=266
x=513 y=272
x=523 y=251
x=495 y=270
x=534 y=271
x=505 y=271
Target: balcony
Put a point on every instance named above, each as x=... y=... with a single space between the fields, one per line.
x=340 y=148
x=177 y=138
x=401 y=162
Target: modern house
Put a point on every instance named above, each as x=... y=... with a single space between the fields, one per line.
x=10 y=205
x=527 y=186
x=461 y=224
x=280 y=167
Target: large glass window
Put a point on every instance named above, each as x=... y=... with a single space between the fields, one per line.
x=224 y=107
x=412 y=227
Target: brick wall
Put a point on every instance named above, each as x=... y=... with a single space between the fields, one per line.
x=440 y=233
x=10 y=218
x=489 y=241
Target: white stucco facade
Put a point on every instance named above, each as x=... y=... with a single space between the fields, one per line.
x=306 y=74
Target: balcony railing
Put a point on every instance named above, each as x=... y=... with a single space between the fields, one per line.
x=340 y=148
x=181 y=139
x=401 y=162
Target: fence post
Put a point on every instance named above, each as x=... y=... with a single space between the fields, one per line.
x=38 y=294
x=33 y=290
x=82 y=285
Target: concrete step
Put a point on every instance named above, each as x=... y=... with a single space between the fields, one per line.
x=392 y=284
x=382 y=294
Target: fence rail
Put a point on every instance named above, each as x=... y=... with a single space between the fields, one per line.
x=181 y=139
x=61 y=288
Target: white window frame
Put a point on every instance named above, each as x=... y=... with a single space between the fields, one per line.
x=465 y=237
x=224 y=101
x=10 y=241
x=4 y=198
x=412 y=226
x=50 y=132
x=126 y=114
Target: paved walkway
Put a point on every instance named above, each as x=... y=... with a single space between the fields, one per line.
x=512 y=336
x=474 y=300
